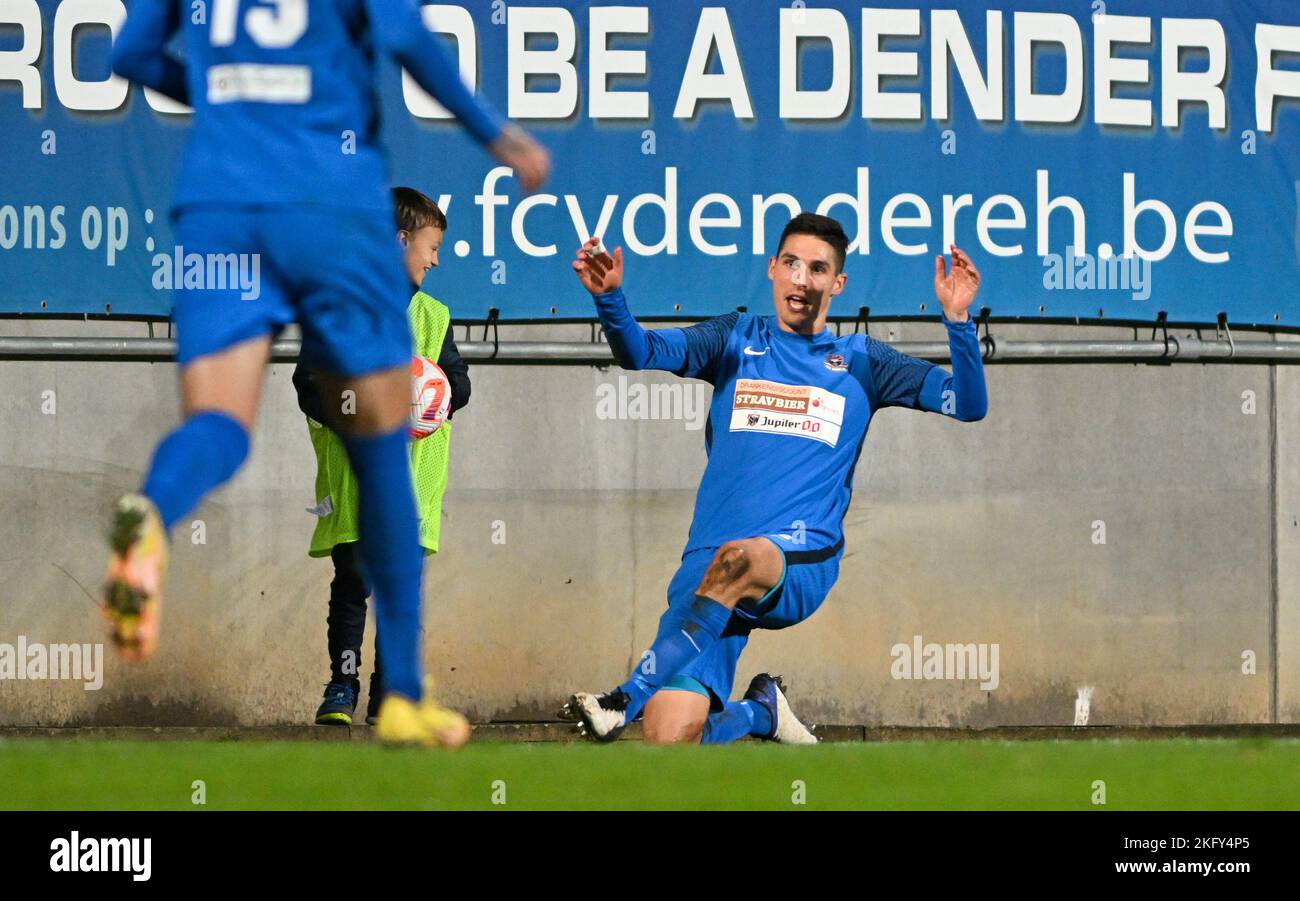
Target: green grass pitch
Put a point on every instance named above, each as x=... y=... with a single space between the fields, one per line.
x=1177 y=774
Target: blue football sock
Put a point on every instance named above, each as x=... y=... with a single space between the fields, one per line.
x=390 y=549
x=204 y=451
x=762 y=724
x=698 y=628
x=736 y=720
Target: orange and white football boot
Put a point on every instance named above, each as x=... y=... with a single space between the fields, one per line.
x=137 y=563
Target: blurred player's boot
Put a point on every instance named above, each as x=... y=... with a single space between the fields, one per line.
x=404 y=723
x=786 y=728
x=137 y=562
x=602 y=717
x=339 y=704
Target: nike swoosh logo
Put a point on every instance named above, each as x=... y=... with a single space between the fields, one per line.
x=754 y=353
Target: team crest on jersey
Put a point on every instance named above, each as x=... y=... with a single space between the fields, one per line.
x=835 y=363
x=803 y=411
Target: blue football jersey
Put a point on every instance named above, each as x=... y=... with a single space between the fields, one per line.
x=285 y=106
x=789 y=414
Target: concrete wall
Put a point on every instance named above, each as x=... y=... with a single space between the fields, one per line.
x=959 y=532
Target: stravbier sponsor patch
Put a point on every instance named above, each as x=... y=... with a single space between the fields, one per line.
x=804 y=411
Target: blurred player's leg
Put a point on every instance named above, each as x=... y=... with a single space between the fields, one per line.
x=352 y=295
x=224 y=327
x=220 y=394
x=375 y=437
x=376 y=440
x=376 y=692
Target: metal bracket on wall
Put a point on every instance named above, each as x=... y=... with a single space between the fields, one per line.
x=991 y=347
x=864 y=320
x=1162 y=323
x=1221 y=330
x=493 y=318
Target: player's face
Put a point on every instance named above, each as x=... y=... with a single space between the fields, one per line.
x=421 y=250
x=804 y=279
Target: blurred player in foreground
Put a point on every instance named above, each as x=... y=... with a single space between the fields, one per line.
x=791 y=404
x=421 y=228
x=284 y=165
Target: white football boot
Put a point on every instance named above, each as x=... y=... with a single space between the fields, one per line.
x=786 y=728
x=601 y=717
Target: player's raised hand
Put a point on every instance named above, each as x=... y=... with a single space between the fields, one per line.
x=598 y=271
x=517 y=149
x=956 y=290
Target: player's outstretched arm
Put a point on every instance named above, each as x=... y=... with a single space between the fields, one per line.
x=894 y=379
x=961 y=394
x=400 y=31
x=601 y=273
x=689 y=352
x=140 y=51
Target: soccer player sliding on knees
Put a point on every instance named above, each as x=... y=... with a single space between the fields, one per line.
x=789 y=415
x=275 y=90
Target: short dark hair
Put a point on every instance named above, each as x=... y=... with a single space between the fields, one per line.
x=823 y=227
x=416 y=211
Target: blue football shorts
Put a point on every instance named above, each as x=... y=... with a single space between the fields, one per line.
x=336 y=271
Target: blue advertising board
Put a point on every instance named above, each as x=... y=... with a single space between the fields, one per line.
x=1096 y=159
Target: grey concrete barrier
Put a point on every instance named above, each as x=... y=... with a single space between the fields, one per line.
x=1122 y=533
